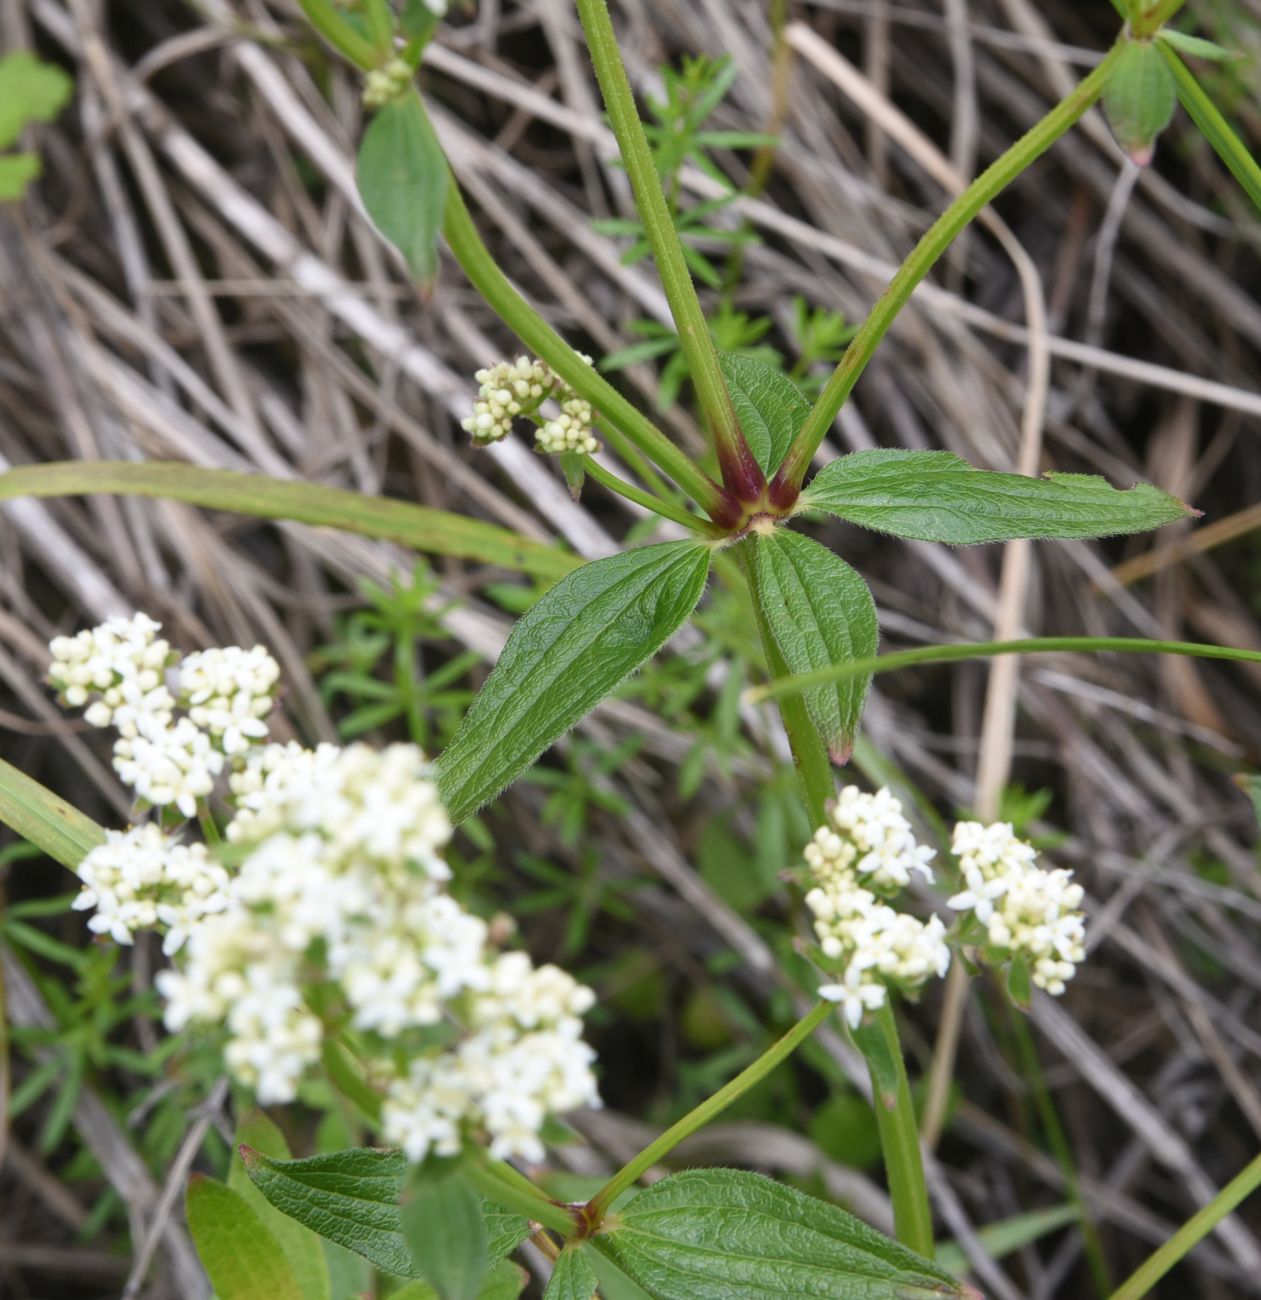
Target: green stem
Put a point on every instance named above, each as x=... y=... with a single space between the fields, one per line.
x=617 y=414
x=658 y=506
x=340 y=34
x=347 y=1080
x=741 y=472
x=934 y=243
x=1148 y=21
x=1140 y=1282
x=652 y=1154
x=517 y=1194
x=810 y=755
x=786 y=687
x=1214 y=127
x=899 y=1132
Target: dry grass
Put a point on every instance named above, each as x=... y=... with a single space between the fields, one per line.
x=193 y=280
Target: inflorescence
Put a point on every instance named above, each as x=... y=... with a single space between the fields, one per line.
x=327 y=923
x=520 y=388
x=865 y=856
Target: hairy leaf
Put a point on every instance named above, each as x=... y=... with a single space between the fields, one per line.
x=51 y=824
x=566 y=653
x=444 y=1229
x=438 y=531
x=240 y=1256
x=723 y=1234
x=769 y=406
x=402 y=175
x=933 y=496
x=351 y=1198
x=301 y=1247
x=30 y=91
x=819 y=613
x=574 y=1277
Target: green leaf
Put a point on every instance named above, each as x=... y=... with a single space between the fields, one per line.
x=446 y=1234
x=17 y=171
x=574 y=1277
x=819 y=613
x=1214 y=127
x=402 y=174
x=439 y=531
x=1197 y=46
x=933 y=496
x=30 y=91
x=1139 y=99
x=240 y=1256
x=566 y=653
x=1020 y=983
x=769 y=406
x=351 y=1198
x=1009 y=1235
x=723 y=1234
x=300 y=1245
x=505 y=1281
x=51 y=824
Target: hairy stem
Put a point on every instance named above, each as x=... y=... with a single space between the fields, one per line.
x=741 y=472
x=630 y=1173
x=921 y=260
x=617 y=414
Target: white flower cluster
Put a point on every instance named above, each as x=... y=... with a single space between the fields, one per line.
x=520 y=387
x=141 y=879
x=333 y=913
x=1027 y=911
x=862 y=857
x=119 y=671
x=383 y=85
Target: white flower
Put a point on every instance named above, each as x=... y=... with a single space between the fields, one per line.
x=507 y=390
x=867 y=834
x=857 y=993
x=116 y=669
x=168 y=763
x=1027 y=912
x=228 y=693
x=142 y=879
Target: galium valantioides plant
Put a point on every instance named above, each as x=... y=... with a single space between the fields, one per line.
x=312 y=927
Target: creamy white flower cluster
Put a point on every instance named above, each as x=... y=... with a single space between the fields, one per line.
x=1027 y=911
x=123 y=673
x=520 y=387
x=861 y=859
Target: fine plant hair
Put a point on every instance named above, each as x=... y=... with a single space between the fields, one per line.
x=330 y=931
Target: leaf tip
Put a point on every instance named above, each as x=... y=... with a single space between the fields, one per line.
x=250 y=1157
x=841 y=751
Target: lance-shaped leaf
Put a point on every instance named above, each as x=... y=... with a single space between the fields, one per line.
x=1139 y=98
x=820 y=613
x=933 y=496
x=239 y=1254
x=769 y=406
x=47 y=821
x=440 y=531
x=352 y=1198
x=719 y=1234
x=402 y=175
x=445 y=1231
x=566 y=653
x=574 y=1277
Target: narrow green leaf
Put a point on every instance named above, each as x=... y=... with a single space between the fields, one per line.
x=1020 y=984
x=30 y=91
x=574 y=1277
x=769 y=406
x=300 y=1245
x=439 y=531
x=446 y=1234
x=566 y=653
x=402 y=175
x=1008 y=1235
x=17 y=171
x=933 y=496
x=1214 y=127
x=723 y=1234
x=240 y=1256
x=1139 y=99
x=51 y=824
x=1197 y=46
x=352 y=1198
x=820 y=613
x=886 y=1076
